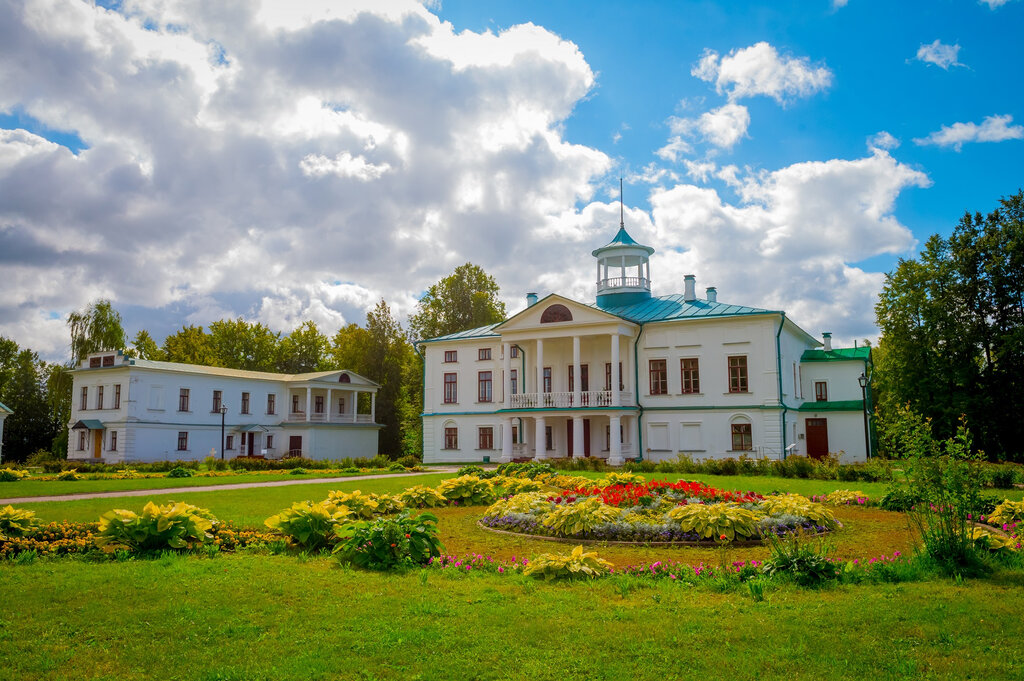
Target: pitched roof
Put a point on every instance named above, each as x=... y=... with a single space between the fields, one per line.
x=5 y=408
x=862 y=354
x=666 y=308
x=839 y=405
x=622 y=238
x=478 y=332
x=233 y=373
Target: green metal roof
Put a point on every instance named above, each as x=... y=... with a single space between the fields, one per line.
x=666 y=308
x=88 y=424
x=840 y=405
x=232 y=373
x=5 y=408
x=622 y=238
x=837 y=355
x=251 y=427
x=479 y=332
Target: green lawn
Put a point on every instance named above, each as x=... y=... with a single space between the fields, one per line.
x=278 y=617
x=41 y=488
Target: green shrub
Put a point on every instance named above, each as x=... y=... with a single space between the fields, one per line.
x=170 y=526
x=396 y=467
x=390 y=543
x=212 y=463
x=351 y=470
x=468 y=490
x=898 y=499
x=470 y=470
x=409 y=461
x=311 y=526
x=847 y=473
x=179 y=472
x=798 y=467
x=421 y=496
x=1001 y=477
x=69 y=475
x=579 y=518
x=529 y=469
x=805 y=562
x=575 y=565
x=41 y=456
x=728 y=467
x=16 y=522
x=298 y=471
x=714 y=521
x=366 y=505
x=11 y=474
x=379 y=461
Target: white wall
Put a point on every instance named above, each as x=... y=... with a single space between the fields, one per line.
x=845 y=434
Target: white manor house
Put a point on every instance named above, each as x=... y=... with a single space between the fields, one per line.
x=126 y=409
x=633 y=376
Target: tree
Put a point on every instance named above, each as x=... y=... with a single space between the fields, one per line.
x=238 y=344
x=465 y=299
x=303 y=350
x=97 y=327
x=388 y=352
x=190 y=345
x=31 y=426
x=58 y=397
x=349 y=349
x=146 y=348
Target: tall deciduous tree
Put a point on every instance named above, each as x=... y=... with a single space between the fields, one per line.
x=146 y=348
x=465 y=299
x=388 y=352
x=303 y=350
x=190 y=345
x=238 y=344
x=97 y=327
x=31 y=427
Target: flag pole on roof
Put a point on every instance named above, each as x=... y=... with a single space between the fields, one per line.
x=622 y=222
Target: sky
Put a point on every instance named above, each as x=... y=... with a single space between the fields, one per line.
x=282 y=161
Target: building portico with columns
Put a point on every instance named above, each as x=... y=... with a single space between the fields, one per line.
x=634 y=376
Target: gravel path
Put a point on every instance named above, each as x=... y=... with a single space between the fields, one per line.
x=208 y=488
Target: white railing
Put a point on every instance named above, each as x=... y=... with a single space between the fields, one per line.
x=567 y=400
x=300 y=417
x=624 y=282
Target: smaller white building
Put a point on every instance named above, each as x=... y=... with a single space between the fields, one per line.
x=5 y=411
x=126 y=409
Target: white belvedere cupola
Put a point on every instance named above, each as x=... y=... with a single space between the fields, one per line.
x=623 y=268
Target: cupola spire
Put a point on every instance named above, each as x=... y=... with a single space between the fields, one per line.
x=623 y=267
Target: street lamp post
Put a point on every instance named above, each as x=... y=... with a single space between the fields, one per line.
x=223 y=411
x=863 y=381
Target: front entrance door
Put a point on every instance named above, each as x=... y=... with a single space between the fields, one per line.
x=817 y=438
x=295 y=445
x=250 y=446
x=97 y=444
x=586 y=436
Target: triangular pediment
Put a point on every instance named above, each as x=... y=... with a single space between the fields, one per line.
x=555 y=311
x=341 y=379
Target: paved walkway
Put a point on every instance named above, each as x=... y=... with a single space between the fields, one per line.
x=208 y=488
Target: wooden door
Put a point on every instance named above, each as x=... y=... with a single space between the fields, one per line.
x=817 y=438
x=295 y=445
x=568 y=435
x=97 y=444
x=250 y=448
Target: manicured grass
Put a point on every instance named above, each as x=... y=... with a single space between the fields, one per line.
x=41 y=488
x=278 y=617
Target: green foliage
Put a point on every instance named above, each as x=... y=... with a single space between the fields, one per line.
x=298 y=471
x=794 y=504
x=16 y=522
x=472 y=470
x=11 y=474
x=145 y=347
x=845 y=496
x=898 y=499
x=409 y=461
x=390 y=543
x=311 y=526
x=468 y=490
x=169 y=526
x=509 y=485
x=721 y=522
x=465 y=299
x=94 y=329
x=179 y=472
x=616 y=478
x=526 y=502
x=805 y=562
x=366 y=505
x=190 y=345
x=303 y=350
x=69 y=475
x=579 y=518
x=1007 y=513
x=529 y=469
x=575 y=565
x=33 y=424
x=421 y=496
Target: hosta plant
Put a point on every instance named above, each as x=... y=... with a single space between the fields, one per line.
x=794 y=504
x=843 y=497
x=509 y=485
x=309 y=525
x=11 y=474
x=715 y=521
x=16 y=522
x=421 y=496
x=616 y=478
x=390 y=543
x=70 y=474
x=366 y=505
x=1007 y=513
x=992 y=541
x=575 y=565
x=170 y=526
x=579 y=518
x=520 y=503
x=468 y=490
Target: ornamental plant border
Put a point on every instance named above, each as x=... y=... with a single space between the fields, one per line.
x=703 y=544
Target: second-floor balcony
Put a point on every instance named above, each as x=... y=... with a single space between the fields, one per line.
x=588 y=399
x=300 y=417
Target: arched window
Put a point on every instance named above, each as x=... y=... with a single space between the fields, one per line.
x=741 y=431
x=556 y=313
x=344 y=379
x=451 y=435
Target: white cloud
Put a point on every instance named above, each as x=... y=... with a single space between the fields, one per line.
x=723 y=127
x=939 y=54
x=342 y=165
x=993 y=4
x=882 y=140
x=992 y=129
x=674 y=149
x=760 y=70
x=838 y=4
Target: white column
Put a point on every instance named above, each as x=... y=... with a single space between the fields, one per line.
x=373 y=407
x=506 y=390
x=598 y=272
x=309 y=402
x=616 y=397
x=622 y=268
x=506 y=441
x=577 y=382
x=615 y=446
x=577 y=438
x=540 y=370
x=540 y=446
x=328 y=410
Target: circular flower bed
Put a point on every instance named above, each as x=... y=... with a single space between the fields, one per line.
x=657 y=512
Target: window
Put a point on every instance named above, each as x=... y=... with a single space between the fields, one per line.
x=486 y=438
x=341 y=405
x=451 y=390
x=547 y=379
x=483 y=353
x=514 y=381
x=99 y=397
x=217 y=401
x=483 y=383
x=245 y=403
x=659 y=377
x=515 y=433
x=83 y=404
x=270 y=442
x=608 y=436
x=81 y=440
x=608 y=376
x=451 y=438
x=738 y=374
x=556 y=313
x=548 y=439
x=271 y=403
x=183 y=399
x=318 y=404
x=182 y=442
x=113 y=440
x=295 y=404
x=515 y=352
x=820 y=391
x=741 y=438
x=94 y=362
x=117 y=396
x=584 y=378
x=108 y=361
x=230 y=443
x=691 y=375
x=451 y=356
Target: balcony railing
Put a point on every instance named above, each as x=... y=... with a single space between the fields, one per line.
x=300 y=417
x=588 y=399
x=624 y=282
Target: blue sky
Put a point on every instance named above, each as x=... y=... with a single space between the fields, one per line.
x=285 y=160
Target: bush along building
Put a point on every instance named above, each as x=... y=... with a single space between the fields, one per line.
x=633 y=376
x=126 y=409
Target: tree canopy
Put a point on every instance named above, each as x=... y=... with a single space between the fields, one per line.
x=97 y=327
x=465 y=299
